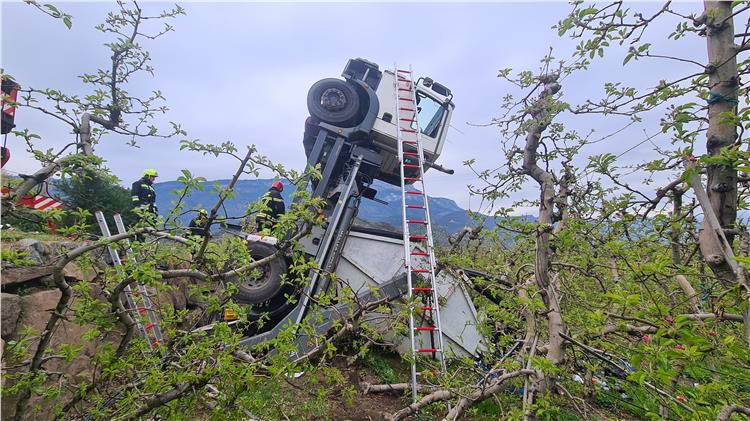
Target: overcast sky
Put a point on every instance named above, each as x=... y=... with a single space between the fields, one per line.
x=241 y=72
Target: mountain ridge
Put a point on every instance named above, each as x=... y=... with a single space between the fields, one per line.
x=445 y=213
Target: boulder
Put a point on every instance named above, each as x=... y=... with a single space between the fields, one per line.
x=10 y=307
x=21 y=274
x=36 y=308
x=74 y=271
x=37 y=250
x=35 y=314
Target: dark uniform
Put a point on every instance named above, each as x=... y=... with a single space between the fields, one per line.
x=198 y=226
x=143 y=194
x=271 y=206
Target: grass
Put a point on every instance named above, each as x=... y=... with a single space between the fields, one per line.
x=384 y=367
x=15 y=235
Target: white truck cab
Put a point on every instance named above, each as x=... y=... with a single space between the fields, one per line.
x=363 y=108
x=434 y=110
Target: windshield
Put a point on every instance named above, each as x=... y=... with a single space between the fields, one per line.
x=430 y=114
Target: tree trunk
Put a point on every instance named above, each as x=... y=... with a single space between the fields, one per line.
x=541 y=119
x=723 y=82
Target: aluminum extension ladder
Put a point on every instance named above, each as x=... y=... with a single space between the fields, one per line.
x=139 y=301
x=416 y=213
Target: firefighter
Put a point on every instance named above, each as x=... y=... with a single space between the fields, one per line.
x=143 y=194
x=198 y=224
x=271 y=206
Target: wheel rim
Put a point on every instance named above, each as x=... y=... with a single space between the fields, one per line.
x=333 y=99
x=256 y=282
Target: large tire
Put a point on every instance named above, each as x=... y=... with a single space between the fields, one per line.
x=335 y=102
x=254 y=290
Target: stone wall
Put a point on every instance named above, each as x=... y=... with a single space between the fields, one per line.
x=28 y=297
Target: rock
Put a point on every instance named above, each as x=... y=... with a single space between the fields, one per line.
x=36 y=308
x=21 y=274
x=10 y=306
x=35 y=314
x=59 y=248
x=72 y=270
x=38 y=251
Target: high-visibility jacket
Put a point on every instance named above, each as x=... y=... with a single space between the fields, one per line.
x=271 y=206
x=143 y=194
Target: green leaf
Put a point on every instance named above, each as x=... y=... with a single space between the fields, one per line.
x=52 y=9
x=67 y=22
x=586 y=12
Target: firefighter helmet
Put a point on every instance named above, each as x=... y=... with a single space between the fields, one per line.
x=150 y=173
x=278 y=186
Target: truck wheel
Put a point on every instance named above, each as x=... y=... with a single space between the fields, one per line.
x=334 y=101
x=253 y=290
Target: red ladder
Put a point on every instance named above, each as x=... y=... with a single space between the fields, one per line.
x=419 y=261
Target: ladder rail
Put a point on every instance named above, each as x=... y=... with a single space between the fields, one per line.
x=130 y=295
x=409 y=94
x=405 y=228
x=104 y=228
x=145 y=296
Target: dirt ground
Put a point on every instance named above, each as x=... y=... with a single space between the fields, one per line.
x=362 y=407
x=371 y=406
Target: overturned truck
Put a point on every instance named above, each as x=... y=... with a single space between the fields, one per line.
x=352 y=134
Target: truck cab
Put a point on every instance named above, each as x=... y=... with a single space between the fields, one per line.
x=434 y=109
x=363 y=108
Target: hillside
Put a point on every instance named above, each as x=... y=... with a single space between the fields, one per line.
x=446 y=215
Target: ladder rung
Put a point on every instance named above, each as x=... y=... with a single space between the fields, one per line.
x=150 y=326
x=425 y=308
x=415 y=192
x=416 y=221
x=417 y=237
x=142 y=310
x=408 y=130
x=422 y=289
x=405 y=99
x=428 y=350
x=410 y=153
x=414 y=207
x=409 y=142
x=404 y=89
x=428 y=328
x=410 y=120
x=403 y=71
x=406 y=109
x=155 y=343
x=411 y=166
x=412 y=179
x=421 y=270
x=420 y=253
